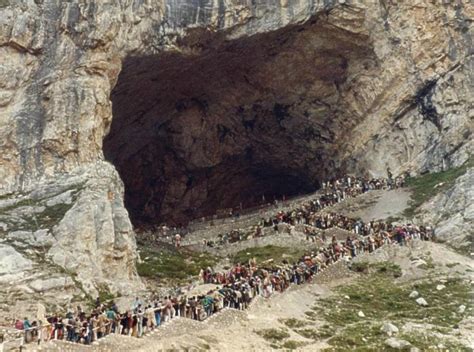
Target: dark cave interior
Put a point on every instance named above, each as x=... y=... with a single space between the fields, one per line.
x=223 y=122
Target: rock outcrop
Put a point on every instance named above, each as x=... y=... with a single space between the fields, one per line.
x=70 y=237
x=214 y=102
x=219 y=122
x=452 y=213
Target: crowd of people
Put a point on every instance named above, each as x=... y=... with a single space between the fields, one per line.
x=239 y=285
x=234 y=288
x=331 y=193
x=307 y=213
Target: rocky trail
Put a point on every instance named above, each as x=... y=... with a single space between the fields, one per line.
x=292 y=320
x=366 y=206
x=376 y=205
x=224 y=331
x=292 y=313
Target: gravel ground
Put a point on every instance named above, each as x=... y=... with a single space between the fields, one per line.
x=375 y=205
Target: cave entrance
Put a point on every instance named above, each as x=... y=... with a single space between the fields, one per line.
x=223 y=123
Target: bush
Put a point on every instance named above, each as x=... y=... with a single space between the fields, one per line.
x=388 y=268
x=294 y=323
x=273 y=334
x=292 y=345
x=360 y=267
x=378 y=268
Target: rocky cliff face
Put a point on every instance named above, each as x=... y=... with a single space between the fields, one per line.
x=213 y=102
x=452 y=212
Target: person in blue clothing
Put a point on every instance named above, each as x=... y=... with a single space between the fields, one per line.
x=157 y=314
x=27 y=328
x=207 y=303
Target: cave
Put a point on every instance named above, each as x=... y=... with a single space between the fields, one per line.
x=221 y=123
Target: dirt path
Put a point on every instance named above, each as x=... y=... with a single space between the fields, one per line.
x=375 y=205
x=233 y=330
x=239 y=330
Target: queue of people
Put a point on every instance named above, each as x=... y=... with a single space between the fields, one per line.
x=234 y=288
x=333 y=192
x=238 y=286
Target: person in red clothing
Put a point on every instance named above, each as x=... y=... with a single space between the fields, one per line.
x=238 y=271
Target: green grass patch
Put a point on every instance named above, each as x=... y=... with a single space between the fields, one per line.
x=6 y=195
x=382 y=299
x=360 y=267
x=426 y=186
x=392 y=219
x=262 y=254
x=105 y=295
x=294 y=323
x=385 y=268
x=388 y=268
x=204 y=346
x=273 y=335
x=320 y=333
x=429 y=263
x=359 y=337
x=292 y=345
x=311 y=315
x=20 y=203
x=451 y=265
x=52 y=215
x=428 y=342
x=48 y=218
x=173 y=265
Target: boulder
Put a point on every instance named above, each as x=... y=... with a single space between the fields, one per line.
x=419 y=262
x=389 y=329
x=414 y=294
x=461 y=309
x=421 y=301
x=397 y=343
x=440 y=287
x=361 y=314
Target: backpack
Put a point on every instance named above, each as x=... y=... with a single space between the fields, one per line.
x=19 y=325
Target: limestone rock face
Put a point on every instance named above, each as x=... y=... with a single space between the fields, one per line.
x=215 y=102
x=355 y=88
x=237 y=120
x=452 y=212
x=12 y=262
x=70 y=236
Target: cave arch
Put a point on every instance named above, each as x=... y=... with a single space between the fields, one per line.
x=223 y=122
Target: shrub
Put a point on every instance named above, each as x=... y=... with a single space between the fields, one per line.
x=360 y=267
x=273 y=334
